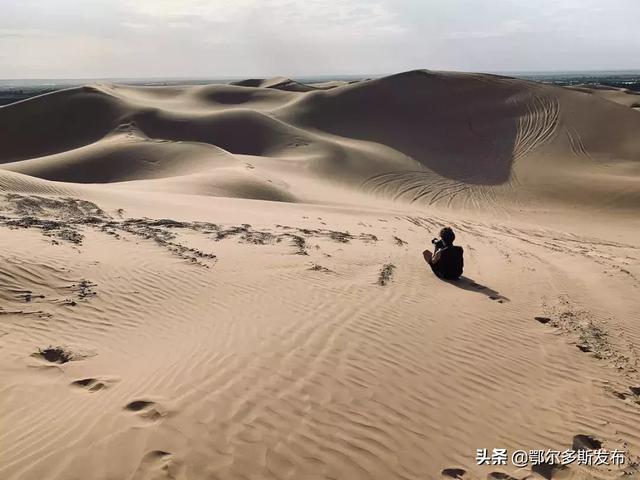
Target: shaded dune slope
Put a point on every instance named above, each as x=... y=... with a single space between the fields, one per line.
x=282 y=83
x=417 y=136
x=471 y=131
x=120 y=157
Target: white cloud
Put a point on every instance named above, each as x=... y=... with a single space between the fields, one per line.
x=293 y=37
x=212 y=9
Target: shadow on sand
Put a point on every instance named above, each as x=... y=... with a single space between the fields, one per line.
x=467 y=283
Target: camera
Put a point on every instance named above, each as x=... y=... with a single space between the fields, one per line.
x=438 y=243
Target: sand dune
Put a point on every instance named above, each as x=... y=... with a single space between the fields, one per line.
x=278 y=83
x=418 y=136
x=124 y=156
x=623 y=96
x=227 y=281
x=283 y=83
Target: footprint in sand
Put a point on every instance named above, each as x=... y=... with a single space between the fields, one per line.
x=147 y=410
x=157 y=456
x=159 y=461
x=55 y=354
x=457 y=473
x=61 y=354
x=585 y=442
x=548 y=470
x=500 y=476
x=620 y=395
x=542 y=320
x=94 y=384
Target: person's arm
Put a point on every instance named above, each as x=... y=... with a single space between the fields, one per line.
x=436 y=256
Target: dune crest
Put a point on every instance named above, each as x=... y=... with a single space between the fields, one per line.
x=428 y=137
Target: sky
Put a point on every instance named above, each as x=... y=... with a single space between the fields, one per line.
x=264 y=38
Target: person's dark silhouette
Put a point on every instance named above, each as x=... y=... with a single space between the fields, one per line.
x=446 y=261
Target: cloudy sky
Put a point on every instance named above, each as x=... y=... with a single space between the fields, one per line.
x=241 y=38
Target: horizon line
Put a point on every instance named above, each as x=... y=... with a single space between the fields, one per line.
x=324 y=75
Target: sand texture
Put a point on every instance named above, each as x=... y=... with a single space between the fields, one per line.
x=227 y=282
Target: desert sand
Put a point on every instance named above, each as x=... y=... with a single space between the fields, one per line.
x=226 y=281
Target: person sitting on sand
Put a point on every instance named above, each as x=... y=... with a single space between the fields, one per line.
x=447 y=259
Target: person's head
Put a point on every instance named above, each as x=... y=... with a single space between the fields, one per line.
x=447 y=235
